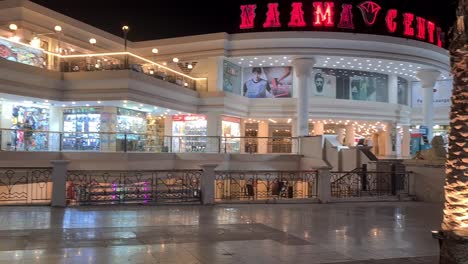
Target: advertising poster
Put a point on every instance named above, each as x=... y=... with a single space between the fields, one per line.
x=324 y=83
x=22 y=54
x=232 y=77
x=442 y=93
x=268 y=82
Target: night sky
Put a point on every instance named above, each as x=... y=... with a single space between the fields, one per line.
x=172 y=18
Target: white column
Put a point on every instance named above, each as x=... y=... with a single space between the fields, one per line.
x=428 y=80
x=59 y=182
x=390 y=140
x=340 y=135
x=349 y=135
x=405 y=142
x=207 y=183
x=242 y=134
x=393 y=89
x=213 y=131
x=55 y=125
x=324 y=191
x=303 y=69
x=263 y=134
x=318 y=129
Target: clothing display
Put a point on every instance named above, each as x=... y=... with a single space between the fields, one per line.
x=32 y=123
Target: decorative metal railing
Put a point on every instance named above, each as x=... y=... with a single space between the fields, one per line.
x=25 y=185
x=265 y=185
x=360 y=183
x=15 y=140
x=144 y=187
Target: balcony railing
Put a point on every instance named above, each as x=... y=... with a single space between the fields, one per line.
x=34 y=140
x=37 y=57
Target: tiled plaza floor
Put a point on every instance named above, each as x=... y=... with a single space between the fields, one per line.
x=368 y=233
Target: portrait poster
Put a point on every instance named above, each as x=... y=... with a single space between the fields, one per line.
x=267 y=82
x=323 y=83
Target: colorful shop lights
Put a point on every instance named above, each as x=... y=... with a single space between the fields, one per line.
x=323 y=15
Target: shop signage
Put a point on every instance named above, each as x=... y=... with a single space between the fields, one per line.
x=188 y=118
x=325 y=15
x=231 y=119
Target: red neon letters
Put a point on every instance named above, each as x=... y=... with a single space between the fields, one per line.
x=390 y=20
x=297 y=16
x=408 y=24
x=439 y=37
x=272 y=19
x=247 y=16
x=421 y=28
x=431 y=31
x=324 y=15
x=346 y=18
x=369 y=11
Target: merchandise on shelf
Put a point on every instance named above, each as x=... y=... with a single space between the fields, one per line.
x=81 y=127
x=189 y=133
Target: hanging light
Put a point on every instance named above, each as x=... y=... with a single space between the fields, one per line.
x=36 y=42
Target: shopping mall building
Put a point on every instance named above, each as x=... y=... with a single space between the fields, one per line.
x=358 y=73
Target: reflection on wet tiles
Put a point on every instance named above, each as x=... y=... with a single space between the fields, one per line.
x=241 y=234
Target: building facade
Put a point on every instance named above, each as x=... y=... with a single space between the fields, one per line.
x=65 y=85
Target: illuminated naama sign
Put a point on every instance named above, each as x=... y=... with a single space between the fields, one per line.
x=323 y=14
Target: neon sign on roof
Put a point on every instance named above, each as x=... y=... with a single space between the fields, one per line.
x=326 y=15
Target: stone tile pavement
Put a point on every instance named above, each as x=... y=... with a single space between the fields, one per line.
x=351 y=233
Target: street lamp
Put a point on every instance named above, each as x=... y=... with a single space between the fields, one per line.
x=125 y=30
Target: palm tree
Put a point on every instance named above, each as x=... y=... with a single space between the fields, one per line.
x=454 y=235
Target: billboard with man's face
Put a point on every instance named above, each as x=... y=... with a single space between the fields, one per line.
x=267 y=82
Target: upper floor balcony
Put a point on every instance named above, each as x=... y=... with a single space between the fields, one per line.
x=70 y=61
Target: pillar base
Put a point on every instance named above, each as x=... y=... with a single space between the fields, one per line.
x=453 y=246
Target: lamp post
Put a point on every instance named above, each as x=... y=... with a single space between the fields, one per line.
x=125 y=30
x=453 y=238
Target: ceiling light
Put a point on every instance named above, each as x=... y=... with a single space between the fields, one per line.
x=98 y=102
x=125 y=101
x=87 y=104
x=285 y=57
x=58 y=28
x=64 y=105
x=190 y=66
x=13 y=27
x=35 y=42
x=175 y=60
x=155 y=50
x=92 y=41
x=73 y=102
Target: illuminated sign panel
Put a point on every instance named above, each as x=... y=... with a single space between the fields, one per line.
x=333 y=15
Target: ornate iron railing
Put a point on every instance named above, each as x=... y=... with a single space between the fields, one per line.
x=369 y=183
x=25 y=185
x=144 y=187
x=265 y=185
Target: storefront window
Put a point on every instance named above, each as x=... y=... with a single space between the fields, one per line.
x=189 y=133
x=33 y=124
x=155 y=134
x=131 y=128
x=280 y=138
x=403 y=87
x=231 y=134
x=81 y=127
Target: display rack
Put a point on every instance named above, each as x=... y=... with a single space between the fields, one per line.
x=155 y=134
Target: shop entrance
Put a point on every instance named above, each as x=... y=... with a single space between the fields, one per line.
x=251 y=141
x=280 y=138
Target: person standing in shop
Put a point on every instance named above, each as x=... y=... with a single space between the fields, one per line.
x=257 y=87
x=27 y=134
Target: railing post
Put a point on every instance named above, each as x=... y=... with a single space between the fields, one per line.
x=125 y=142
x=364 y=177
x=16 y=139
x=60 y=141
x=324 y=185
x=393 y=179
x=225 y=145
x=220 y=140
x=59 y=183
x=207 y=183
